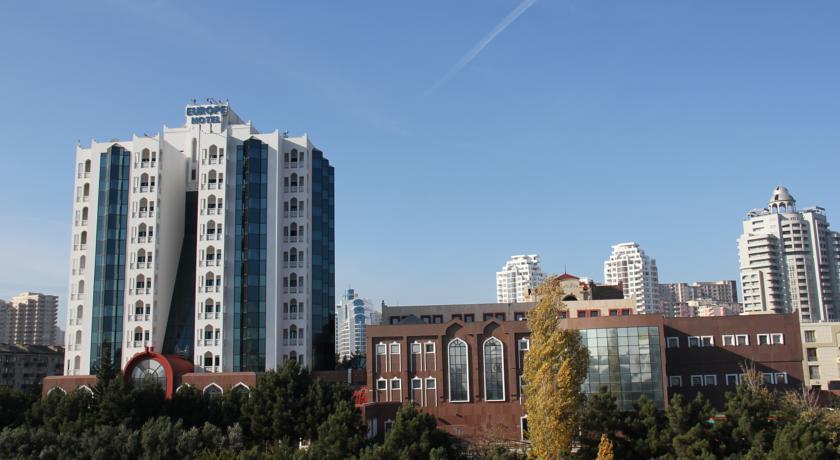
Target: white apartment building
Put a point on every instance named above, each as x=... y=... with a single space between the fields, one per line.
x=517 y=278
x=352 y=315
x=212 y=241
x=30 y=318
x=789 y=261
x=636 y=272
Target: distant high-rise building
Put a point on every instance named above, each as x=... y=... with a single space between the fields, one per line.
x=671 y=294
x=629 y=266
x=199 y=242
x=518 y=277
x=351 y=317
x=30 y=318
x=790 y=260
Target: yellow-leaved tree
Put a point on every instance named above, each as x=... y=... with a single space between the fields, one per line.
x=555 y=367
x=605 y=449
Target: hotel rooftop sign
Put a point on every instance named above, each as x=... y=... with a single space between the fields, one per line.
x=204 y=114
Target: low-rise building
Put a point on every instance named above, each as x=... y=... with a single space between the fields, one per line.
x=25 y=366
x=468 y=374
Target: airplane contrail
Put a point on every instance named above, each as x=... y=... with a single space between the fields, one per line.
x=474 y=52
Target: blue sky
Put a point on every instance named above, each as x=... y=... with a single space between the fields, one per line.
x=580 y=125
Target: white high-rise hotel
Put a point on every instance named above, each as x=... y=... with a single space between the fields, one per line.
x=212 y=241
x=790 y=261
x=637 y=273
x=519 y=275
x=352 y=315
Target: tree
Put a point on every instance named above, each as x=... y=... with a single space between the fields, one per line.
x=13 y=405
x=600 y=415
x=809 y=437
x=689 y=428
x=645 y=432
x=555 y=367
x=605 y=448
x=341 y=436
x=414 y=436
x=748 y=428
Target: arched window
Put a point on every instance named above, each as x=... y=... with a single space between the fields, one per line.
x=87 y=166
x=293 y=231
x=144 y=182
x=494 y=372
x=211 y=179
x=78 y=337
x=208 y=334
x=141 y=256
x=81 y=287
x=459 y=379
x=141 y=231
x=211 y=204
x=83 y=238
x=293 y=205
x=82 y=262
x=293 y=334
x=80 y=312
x=293 y=306
x=208 y=306
x=138 y=309
x=293 y=356
x=208 y=361
x=84 y=214
x=141 y=282
x=213 y=390
x=241 y=388
x=214 y=154
x=77 y=363
x=293 y=255
x=86 y=190
x=149 y=370
x=294 y=156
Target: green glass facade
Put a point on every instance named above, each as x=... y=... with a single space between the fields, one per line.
x=323 y=262
x=250 y=241
x=626 y=360
x=109 y=264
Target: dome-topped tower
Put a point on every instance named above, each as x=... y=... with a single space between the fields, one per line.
x=781 y=201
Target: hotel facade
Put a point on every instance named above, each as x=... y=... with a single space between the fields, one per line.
x=212 y=242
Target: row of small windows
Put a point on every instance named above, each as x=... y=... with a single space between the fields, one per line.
x=293 y=283
x=293 y=184
x=728 y=340
x=294 y=208
x=213 y=180
x=293 y=336
x=293 y=258
x=769 y=378
x=211 y=231
x=293 y=310
x=293 y=159
x=212 y=205
x=293 y=233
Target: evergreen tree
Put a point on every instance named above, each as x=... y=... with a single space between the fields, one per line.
x=341 y=436
x=278 y=405
x=645 y=432
x=748 y=428
x=414 y=436
x=811 y=437
x=689 y=428
x=13 y=406
x=555 y=367
x=600 y=415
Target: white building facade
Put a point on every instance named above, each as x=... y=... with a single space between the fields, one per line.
x=520 y=275
x=201 y=242
x=629 y=266
x=352 y=315
x=30 y=318
x=789 y=261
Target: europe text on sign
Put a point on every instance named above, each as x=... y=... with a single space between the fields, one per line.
x=206 y=114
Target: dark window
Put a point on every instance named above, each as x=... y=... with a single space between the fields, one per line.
x=500 y=316
x=469 y=318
